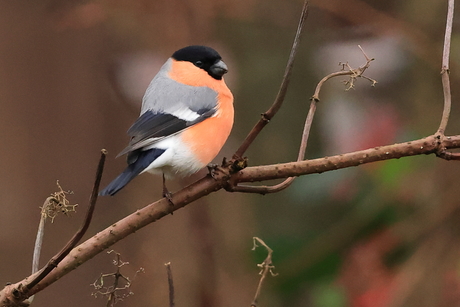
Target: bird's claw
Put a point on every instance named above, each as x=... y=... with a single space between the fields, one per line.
x=168 y=196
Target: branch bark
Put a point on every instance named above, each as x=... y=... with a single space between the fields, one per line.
x=427 y=145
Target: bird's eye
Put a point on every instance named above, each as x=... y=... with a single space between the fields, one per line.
x=198 y=64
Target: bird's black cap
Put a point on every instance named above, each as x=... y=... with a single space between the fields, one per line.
x=203 y=57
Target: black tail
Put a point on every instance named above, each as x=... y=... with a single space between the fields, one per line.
x=144 y=159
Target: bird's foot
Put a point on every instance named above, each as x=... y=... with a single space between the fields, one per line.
x=168 y=195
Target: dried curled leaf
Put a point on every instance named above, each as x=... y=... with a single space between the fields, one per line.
x=57 y=203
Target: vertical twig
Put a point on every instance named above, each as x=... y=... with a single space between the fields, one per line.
x=267 y=267
x=39 y=239
x=445 y=69
x=170 y=284
x=38 y=245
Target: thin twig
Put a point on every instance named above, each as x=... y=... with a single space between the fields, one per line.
x=170 y=284
x=447 y=155
x=267 y=116
x=445 y=69
x=38 y=244
x=54 y=261
x=354 y=74
x=39 y=238
x=267 y=267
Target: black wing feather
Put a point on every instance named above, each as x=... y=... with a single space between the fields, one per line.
x=155 y=125
x=143 y=160
x=159 y=125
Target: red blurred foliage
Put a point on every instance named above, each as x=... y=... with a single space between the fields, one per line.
x=367 y=280
x=451 y=289
x=371 y=283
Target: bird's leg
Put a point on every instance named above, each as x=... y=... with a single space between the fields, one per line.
x=167 y=194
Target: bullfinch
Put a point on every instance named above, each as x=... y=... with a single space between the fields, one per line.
x=186 y=117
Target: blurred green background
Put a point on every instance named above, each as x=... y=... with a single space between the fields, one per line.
x=72 y=76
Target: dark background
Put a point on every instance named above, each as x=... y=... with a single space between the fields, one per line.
x=72 y=75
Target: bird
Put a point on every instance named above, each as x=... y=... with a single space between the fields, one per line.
x=186 y=117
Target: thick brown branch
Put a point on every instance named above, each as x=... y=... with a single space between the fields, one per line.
x=129 y=225
x=426 y=145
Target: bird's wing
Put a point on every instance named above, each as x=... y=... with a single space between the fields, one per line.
x=155 y=125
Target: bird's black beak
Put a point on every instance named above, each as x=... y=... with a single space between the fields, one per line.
x=219 y=68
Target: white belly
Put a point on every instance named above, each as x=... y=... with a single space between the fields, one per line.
x=177 y=160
